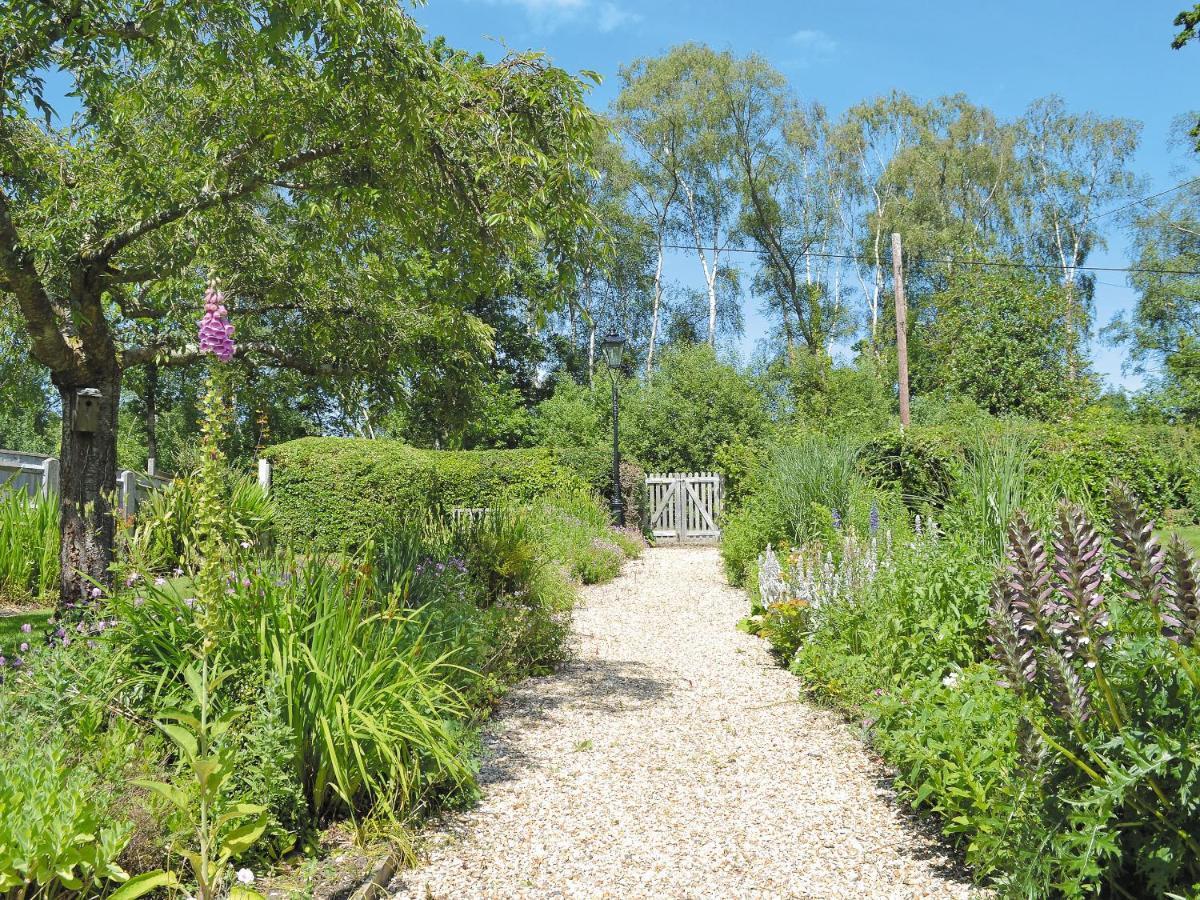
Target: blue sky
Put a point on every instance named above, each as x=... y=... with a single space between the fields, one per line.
x=1107 y=56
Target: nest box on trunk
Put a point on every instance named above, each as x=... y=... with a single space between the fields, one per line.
x=87 y=410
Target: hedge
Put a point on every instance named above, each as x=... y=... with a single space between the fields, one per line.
x=1080 y=459
x=330 y=492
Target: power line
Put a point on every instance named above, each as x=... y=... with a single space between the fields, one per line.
x=951 y=260
x=1133 y=203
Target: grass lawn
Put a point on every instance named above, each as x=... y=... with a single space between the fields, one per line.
x=10 y=629
x=1190 y=534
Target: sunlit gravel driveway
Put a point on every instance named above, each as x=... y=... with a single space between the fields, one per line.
x=672 y=758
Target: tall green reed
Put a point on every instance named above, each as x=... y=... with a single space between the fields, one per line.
x=28 y=544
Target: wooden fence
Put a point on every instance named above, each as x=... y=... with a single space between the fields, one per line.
x=37 y=475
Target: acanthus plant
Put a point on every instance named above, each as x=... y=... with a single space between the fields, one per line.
x=1107 y=681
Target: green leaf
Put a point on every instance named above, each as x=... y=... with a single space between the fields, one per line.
x=172 y=794
x=142 y=884
x=181 y=736
x=243 y=838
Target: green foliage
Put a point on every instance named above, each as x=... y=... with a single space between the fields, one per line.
x=1158 y=463
x=678 y=419
x=363 y=696
x=1058 y=776
x=918 y=462
x=334 y=491
x=59 y=835
x=168 y=533
x=218 y=828
x=994 y=481
x=1077 y=459
x=28 y=545
x=795 y=495
x=1000 y=340
x=573 y=528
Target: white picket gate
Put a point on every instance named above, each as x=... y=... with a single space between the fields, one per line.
x=685 y=506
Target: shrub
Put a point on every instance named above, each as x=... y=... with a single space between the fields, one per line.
x=800 y=494
x=919 y=463
x=58 y=834
x=1161 y=465
x=167 y=531
x=334 y=491
x=28 y=545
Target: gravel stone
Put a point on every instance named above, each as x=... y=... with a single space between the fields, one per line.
x=671 y=757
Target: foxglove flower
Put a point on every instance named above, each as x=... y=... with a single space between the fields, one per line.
x=216 y=331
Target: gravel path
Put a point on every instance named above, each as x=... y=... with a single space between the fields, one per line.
x=670 y=758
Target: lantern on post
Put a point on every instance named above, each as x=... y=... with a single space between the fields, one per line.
x=612 y=346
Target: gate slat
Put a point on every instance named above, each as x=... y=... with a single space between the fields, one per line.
x=685 y=506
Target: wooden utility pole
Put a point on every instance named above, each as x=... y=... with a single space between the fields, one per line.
x=901 y=327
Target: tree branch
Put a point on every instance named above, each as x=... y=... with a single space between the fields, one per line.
x=192 y=354
x=208 y=199
x=21 y=279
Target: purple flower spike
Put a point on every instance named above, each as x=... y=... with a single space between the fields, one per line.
x=216 y=333
x=26 y=628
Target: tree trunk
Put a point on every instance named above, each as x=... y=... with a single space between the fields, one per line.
x=151 y=402
x=87 y=485
x=654 y=313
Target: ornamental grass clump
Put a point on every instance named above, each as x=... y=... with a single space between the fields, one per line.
x=1101 y=657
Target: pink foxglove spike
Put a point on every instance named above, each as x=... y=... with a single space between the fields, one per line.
x=216 y=332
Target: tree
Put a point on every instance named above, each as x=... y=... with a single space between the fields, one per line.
x=1188 y=22
x=671 y=106
x=1074 y=165
x=998 y=340
x=790 y=206
x=694 y=404
x=651 y=129
x=344 y=178
x=1164 y=327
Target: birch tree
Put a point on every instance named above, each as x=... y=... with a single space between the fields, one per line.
x=1075 y=166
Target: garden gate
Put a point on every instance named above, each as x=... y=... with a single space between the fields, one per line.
x=685 y=506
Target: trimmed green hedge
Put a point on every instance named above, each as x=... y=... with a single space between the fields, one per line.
x=332 y=491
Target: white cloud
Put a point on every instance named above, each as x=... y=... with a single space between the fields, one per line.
x=547 y=15
x=814 y=46
x=611 y=17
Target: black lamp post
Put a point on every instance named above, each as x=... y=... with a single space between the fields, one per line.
x=612 y=345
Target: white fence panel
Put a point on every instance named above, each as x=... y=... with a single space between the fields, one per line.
x=36 y=474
